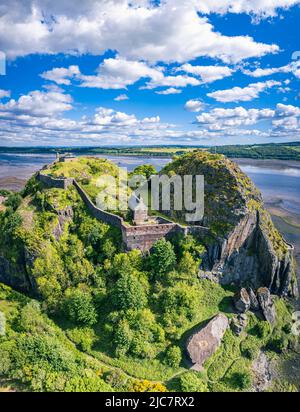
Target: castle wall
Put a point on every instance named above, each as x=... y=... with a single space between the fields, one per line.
x=99 y=214
x=143 y=237
x=140 y=237
x=59 y=183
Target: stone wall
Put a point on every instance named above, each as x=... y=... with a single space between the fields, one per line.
x=140 y=237
x=143 y=237
x=99 y=214
x=59 y=183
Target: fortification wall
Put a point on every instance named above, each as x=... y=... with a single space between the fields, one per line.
x=140 y=237
x=59 y=183
x=102 y=215
x=143 y=237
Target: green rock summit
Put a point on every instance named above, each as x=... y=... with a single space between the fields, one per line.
x=244 y=246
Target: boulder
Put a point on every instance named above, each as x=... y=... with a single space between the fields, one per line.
x=266 y=304
x=254 y=305
x=242 y=300
x=239 y=323
x=202 y=344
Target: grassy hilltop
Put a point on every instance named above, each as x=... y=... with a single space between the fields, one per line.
x=89 y=317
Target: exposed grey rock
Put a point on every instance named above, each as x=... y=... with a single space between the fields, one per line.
x=254 y=305
x=262 y=373
x=13 y=274
x=267 y=305
x=239 y=323
x=242 y=300
x=212 y=276
x=204 y=343
x=247 y=255
x=64 y=216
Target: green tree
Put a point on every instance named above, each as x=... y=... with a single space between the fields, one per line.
x=125 y=263
x=13 y=201
x=162 y=258
x=179 y=304
x=79 y=307
x=241 y=380
x=145 y=170
x=173 y=356
x=188 y=264
x=122 y=338
x=129 y=293
x=192 y=382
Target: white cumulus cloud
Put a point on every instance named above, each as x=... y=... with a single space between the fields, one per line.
x=61 y=75
x=4 y=93
x=171 y=31
x=170 y=90
x=194 y=105
x=244 y=94
x=208 y=74
x=121 y=98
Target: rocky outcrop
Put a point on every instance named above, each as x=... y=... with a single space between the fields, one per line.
x=239 y=323
x=64 y=216
x=242 y=300
x=248 y=257
x=267 y=305
x=263 y=373
x=14 y=275
x=254 y=304
x=205 y=342
x=244 y=246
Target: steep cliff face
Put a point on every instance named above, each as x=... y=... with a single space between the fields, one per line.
x=247 y=257
x=244 y=247
x=44 y=216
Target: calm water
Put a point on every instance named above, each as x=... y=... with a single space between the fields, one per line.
x=278 y=180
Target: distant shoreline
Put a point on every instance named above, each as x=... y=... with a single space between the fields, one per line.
x=271 y=151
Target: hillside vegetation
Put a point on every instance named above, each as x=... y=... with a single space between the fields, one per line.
x=90 y=317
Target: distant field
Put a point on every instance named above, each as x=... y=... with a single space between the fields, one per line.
x=170 y=150
x=279 y=151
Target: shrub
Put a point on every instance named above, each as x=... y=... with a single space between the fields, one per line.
x=42 y=350
x=115 y=378
x=86 y=384
x=79 y=307
x=129 y=293
x=262 y=329
x=192 y=382
x=147 y=386
x=138 y=334
x=278 y=343
x=162 y=258
x=241 y=380
x=179 y=305
x=122 y=338
x=145 y=170
x=84 y=338
x=13 y=201
x=188 y=265
x=173 y=356
x=249 y=348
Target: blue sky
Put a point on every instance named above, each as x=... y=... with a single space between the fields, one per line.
x=172 y=72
